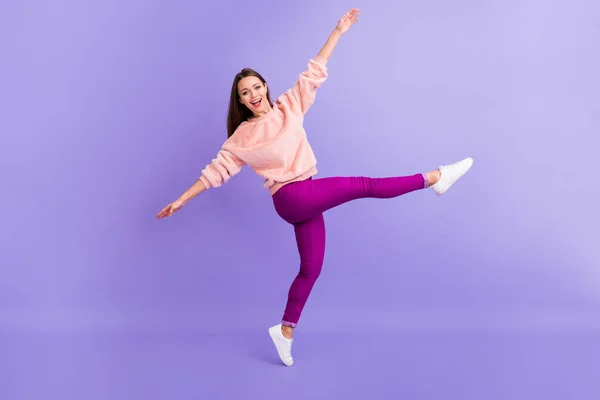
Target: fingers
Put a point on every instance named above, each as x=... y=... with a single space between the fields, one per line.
x=167 y=211
x=351 y=13
x=351 y=16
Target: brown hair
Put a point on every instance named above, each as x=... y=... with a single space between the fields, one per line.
x=238 y=112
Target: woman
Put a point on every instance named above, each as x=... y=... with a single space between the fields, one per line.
x=271 y=140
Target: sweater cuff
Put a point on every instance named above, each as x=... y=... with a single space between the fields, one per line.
x=320 y=60
x=205 y=182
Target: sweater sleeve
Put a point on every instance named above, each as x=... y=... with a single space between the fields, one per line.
x=222 y=168
x=304 y=91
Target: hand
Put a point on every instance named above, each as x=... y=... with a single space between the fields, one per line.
x=170 y=209
x=349 y=19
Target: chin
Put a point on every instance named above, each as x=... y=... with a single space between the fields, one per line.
x=257 y=110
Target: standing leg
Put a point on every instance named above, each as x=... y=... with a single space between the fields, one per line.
x=310 y=237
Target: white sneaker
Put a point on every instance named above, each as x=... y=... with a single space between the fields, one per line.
x=282 y=344
x=450 y=174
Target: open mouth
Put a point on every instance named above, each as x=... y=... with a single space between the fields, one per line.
x=257 y=103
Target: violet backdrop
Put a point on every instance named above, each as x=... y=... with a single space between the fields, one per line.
x=111 y=110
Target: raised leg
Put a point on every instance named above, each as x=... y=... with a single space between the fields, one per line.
x=304 y=200
x=300 y=201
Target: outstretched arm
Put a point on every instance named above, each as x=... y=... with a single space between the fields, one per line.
x=192 y=192
x=218 y=172
x=189 y=194
x=347 y=20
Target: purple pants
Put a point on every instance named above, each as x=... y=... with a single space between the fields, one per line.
x=303 y=203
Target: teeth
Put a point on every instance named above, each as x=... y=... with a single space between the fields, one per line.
x=254 y=102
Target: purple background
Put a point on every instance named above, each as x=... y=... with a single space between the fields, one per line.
x=110 y=110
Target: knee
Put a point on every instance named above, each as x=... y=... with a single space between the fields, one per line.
x=311 y=271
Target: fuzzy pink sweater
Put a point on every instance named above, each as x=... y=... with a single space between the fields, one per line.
x=274 y=145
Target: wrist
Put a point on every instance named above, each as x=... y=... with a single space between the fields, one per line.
x=182 y=200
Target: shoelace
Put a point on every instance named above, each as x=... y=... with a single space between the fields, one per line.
x=450 y=167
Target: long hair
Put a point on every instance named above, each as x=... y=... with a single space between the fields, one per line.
x=238 y=112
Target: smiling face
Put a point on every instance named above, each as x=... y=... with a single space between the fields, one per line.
x=252 y=93
x=249 y=98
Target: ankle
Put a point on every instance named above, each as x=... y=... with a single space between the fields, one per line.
x=287 y=331
x=433 y=177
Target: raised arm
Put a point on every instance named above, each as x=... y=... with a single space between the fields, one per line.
x=347 y=20
x=304 y=92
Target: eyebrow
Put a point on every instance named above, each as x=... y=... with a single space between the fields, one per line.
x=245 y=88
